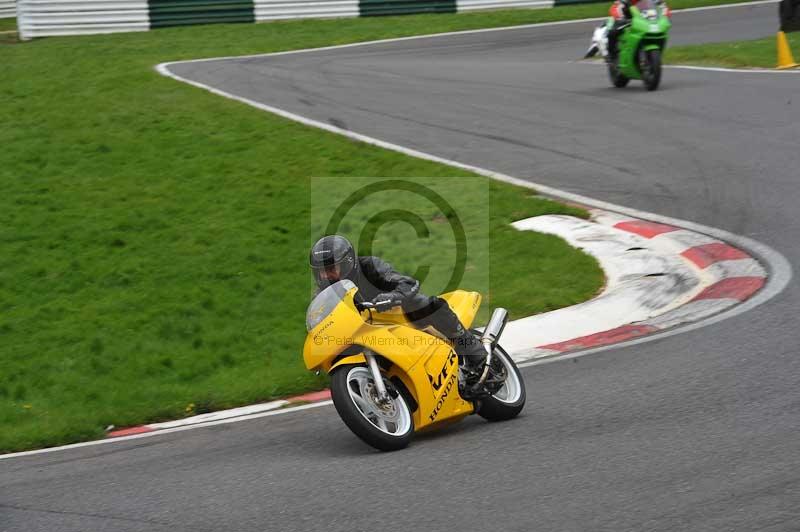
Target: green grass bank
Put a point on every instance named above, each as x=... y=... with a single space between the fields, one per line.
x=760 y=53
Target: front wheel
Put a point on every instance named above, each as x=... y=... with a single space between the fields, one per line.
x=507 y=401
x=618 y=79
x=388 y=426
x=650 y=66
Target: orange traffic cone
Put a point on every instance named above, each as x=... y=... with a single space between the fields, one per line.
x=785 y=58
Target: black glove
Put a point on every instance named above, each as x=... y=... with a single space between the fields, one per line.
x=386 y=301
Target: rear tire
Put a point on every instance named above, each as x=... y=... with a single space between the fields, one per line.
x=350 y=390
x=618 y=79
x=509 y=401
x=651 y=69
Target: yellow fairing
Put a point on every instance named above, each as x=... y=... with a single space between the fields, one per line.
x=435 y=385
x=425 y=364
x=333 y=334
x=353 y=359
x=464 y=304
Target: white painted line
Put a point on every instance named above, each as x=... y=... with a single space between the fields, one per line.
x=735 y=70
x=690 y=312
x=165 y=431
x=682 y=240
x=222 y=414
x=707 y=69
x=735 y=268
x=725 y=6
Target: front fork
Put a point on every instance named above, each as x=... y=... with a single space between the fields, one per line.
x=372 y=363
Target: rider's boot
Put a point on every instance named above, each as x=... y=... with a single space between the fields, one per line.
x=613 y=38
x=434 y=312
x=612 y=46
x=472 y=354
x=471 y=351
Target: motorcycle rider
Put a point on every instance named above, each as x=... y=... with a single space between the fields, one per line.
x=333 y=258
x=620 y=11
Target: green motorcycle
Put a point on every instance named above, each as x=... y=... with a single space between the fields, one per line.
x=639 y=45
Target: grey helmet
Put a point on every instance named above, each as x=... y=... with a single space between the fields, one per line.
x=332 y=259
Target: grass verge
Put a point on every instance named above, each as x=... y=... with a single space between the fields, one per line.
x=760 y=53
x=152 y=236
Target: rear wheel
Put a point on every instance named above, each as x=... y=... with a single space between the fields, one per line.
x=386 y=426
x=618 y=79
x=508 y=399
x=650 y=66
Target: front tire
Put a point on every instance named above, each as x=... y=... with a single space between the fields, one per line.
x=651 y=69
x=618 y=79
x=507 y=402
x=387 y=428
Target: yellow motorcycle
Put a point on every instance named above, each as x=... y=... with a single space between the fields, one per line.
x=389 y=379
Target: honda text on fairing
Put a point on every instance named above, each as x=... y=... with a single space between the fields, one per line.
x=389 y=379
x=639 y=47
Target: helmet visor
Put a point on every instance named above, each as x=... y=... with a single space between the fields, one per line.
x=331 y=273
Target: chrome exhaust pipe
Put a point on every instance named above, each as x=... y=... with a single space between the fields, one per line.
x=493 y=330
x=490 y=337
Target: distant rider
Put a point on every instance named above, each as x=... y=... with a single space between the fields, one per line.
x=333 y=259
x=620 y=11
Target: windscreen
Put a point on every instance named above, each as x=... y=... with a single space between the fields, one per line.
x=649 y=9
x=326 y=301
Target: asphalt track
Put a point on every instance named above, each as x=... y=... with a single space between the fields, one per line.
x=698 y=431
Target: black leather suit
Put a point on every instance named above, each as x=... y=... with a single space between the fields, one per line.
x=376 y=276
